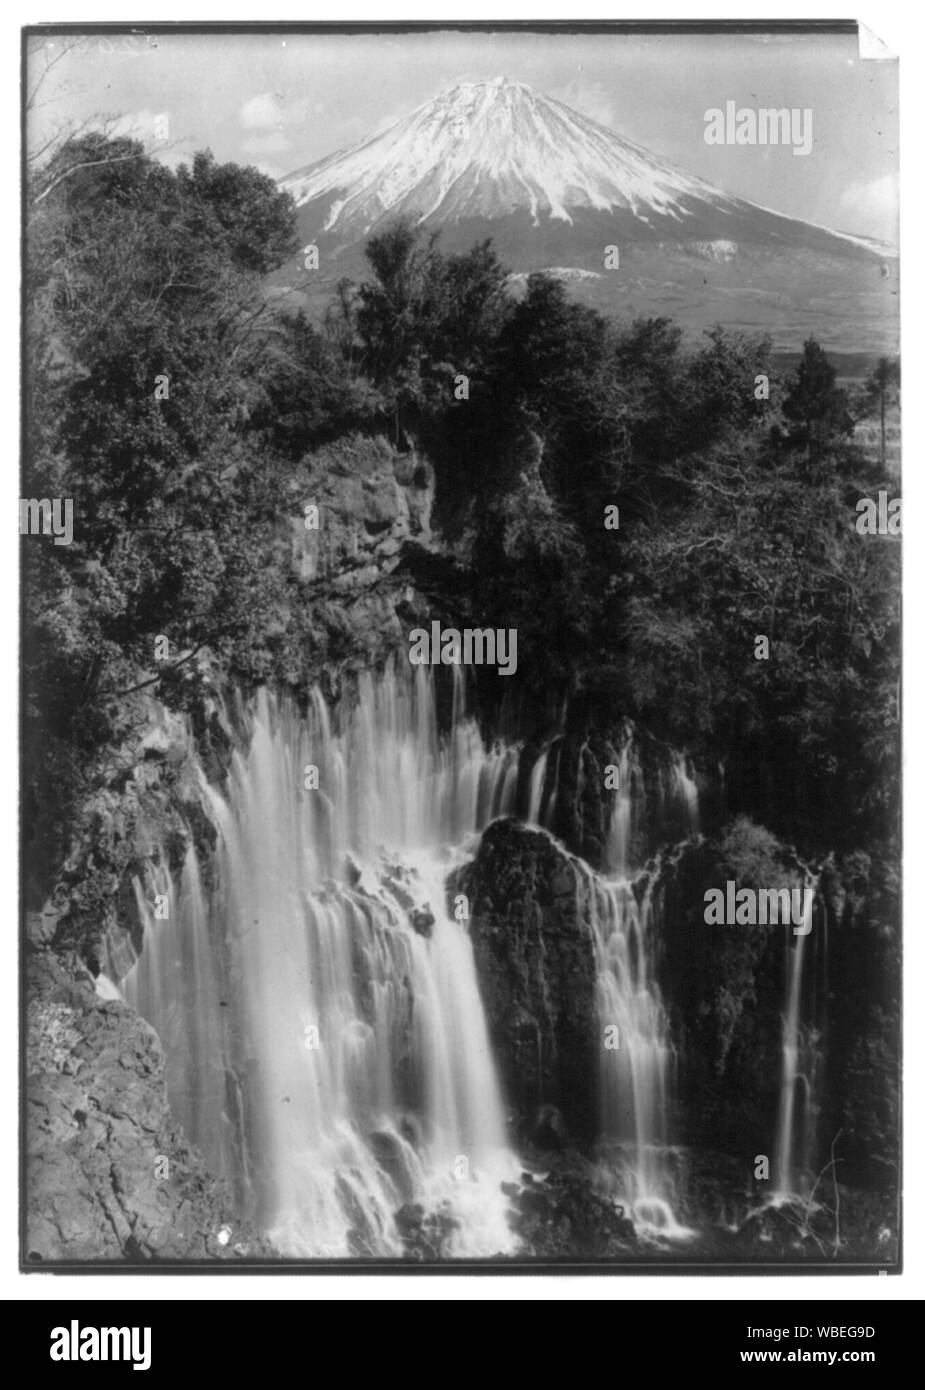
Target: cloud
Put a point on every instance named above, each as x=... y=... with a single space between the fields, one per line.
x=262 y=112
x=871 y=207
x=273 y=143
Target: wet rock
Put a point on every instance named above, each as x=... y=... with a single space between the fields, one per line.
x=783 y=1228
x=561 y=1215
x=109 y=1173
x=352 y=871
x=391 y=1158
x=535 y=959
x=550 y=1131
x=425 y=1235
x=422 y=919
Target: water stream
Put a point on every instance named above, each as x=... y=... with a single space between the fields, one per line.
x=327 y=1046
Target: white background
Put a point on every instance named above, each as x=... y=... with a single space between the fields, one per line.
x=895 y=23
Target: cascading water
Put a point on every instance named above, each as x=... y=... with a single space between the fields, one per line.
x=637 y=1076
x=638 y=1060
x=318 y=1004
x=176 y=987
x=637 y=1066
x=320 y=1008
x=677 y=807
x=801 y=1061
x=537 y=782
x=617 y=848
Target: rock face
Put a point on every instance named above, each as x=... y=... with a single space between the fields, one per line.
x=354 y=598
x=535 y=959
x=142 y=810
x=562 y=1214
x=724 y=987
x=601 y=765
x=110 y=1174
x=99 y=1128
x=370 y=500
x=862 y=901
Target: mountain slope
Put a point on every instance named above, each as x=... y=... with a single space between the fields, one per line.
x=490 y=149
x=553 y=188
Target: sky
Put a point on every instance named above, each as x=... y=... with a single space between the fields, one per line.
x=282 y=100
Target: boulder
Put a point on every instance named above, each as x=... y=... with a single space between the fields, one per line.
x=562 y=1214
x=535 y=960
x=422 y=919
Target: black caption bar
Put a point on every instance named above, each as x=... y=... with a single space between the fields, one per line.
x=61 y=1340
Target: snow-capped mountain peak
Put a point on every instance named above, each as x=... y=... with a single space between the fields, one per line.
x=486 y=149
x=554 y=190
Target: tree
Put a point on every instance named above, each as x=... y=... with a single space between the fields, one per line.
x=719 y=387
x=398 y=307
x=881 y=389
x=425 y=319
x=308 y=394
x=242 y=208
x=817 y=407
x=147 y=361
x=554 y=383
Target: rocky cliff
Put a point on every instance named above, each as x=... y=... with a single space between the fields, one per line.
x=353 y=596
x=535 y=960
x=110 y=1174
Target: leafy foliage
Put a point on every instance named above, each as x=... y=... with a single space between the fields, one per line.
x=147 y=365
x=736 y=513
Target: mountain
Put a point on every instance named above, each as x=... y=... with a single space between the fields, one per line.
x=554 y=188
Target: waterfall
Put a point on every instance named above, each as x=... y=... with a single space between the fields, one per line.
x=177 y=989
x=617 y=849
x=801 y=1061
x=676 y=802
x=535 y=794
x=319 y=1007
x=638 y=1074
x=317 y=999
x=637 y=1060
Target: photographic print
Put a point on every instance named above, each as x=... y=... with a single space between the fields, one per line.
x=460 y=546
